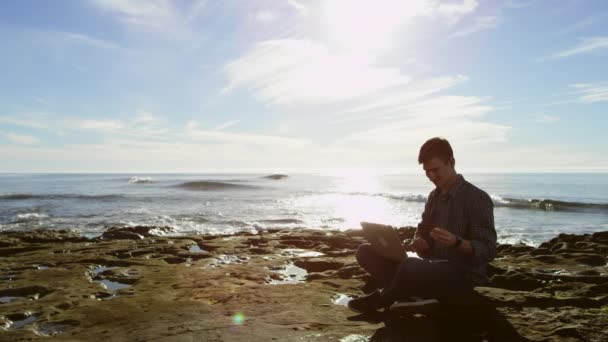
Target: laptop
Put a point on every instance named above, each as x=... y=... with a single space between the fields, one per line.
x=384 y=239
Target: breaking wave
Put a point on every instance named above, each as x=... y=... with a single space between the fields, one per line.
x=140 y=180
x=19 y=197
x=532 y=204
x=281 y=221
x=552 y=205
x=276 y=176
x=210 y=185
x=29 y=217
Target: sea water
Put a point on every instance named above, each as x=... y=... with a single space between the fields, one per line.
x=529 y=208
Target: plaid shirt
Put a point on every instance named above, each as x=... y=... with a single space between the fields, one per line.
x=468 y=212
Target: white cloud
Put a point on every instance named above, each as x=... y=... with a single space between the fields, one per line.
x=216 y=136
x=265 y=16
x=226 y=125
x=86 y=40
x=26 y=120
x=517 y=4
x=587 y=45
x=455 y=11
x=21 y=139
x=99 y=125
x=479 y=24
x=592 y=92
x=302 y=9
x=159 y=16
x=300 y=72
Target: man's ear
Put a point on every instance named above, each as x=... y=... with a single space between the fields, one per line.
x=453 y=162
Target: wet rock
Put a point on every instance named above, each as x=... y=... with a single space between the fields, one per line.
x=587 y=258
x=177 y=293
x=515 y=281
x=540 y=251
x=318 y=265
x=133 y=233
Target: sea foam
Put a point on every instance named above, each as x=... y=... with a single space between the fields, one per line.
x=140 y=180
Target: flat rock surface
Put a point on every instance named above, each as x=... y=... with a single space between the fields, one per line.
x=283 y=285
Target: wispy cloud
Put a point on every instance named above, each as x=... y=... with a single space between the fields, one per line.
x=479 y=24
x=86 y=40
x=159 y=16
x=455 y=11
x=548 y=119
x=587 y=45
x=265 y=16
x=592 y=92
x=292 y=72
x=298 y=6
x=20 y=139
x=26 y=120
x=584 y=23
x=517 y=4
x=99 y=125
x=226 y=125
x=217 y=136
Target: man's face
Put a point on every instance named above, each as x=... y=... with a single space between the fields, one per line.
x=438 y=172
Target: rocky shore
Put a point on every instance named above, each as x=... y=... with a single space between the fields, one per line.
x=134 y=284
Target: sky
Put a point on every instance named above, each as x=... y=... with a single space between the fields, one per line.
x=302 y=86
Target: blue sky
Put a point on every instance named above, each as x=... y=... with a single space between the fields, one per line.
x=294 y=85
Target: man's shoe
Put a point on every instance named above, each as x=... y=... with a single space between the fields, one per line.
x=415 y=306
x=367 y=303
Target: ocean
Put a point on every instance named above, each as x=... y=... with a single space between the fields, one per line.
x=529 y=208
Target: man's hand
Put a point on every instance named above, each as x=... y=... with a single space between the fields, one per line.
x=443 y=237
x=419 y=245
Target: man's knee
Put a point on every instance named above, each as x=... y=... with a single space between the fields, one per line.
x=364 y=253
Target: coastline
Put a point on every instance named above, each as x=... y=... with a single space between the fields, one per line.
x=280 y=284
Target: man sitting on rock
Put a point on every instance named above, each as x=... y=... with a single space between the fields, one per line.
x=456 y=240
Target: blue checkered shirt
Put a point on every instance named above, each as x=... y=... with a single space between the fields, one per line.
x=468 y=212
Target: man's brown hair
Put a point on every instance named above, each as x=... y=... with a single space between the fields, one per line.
x=436 y=148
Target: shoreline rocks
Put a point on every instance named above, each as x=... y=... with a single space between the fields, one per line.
x=130 y=284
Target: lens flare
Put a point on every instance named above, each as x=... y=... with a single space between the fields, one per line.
x=238 y=318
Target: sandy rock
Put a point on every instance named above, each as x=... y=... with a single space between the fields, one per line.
x=131 y=285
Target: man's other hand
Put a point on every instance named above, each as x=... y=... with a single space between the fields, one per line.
x=419 y=245
x=443 y=237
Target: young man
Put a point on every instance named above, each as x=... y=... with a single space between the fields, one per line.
x=456 y=240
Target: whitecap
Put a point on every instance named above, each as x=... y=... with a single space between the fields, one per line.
x=29 y=217
x=140 y=180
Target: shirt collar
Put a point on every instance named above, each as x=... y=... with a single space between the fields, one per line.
x=454 y=188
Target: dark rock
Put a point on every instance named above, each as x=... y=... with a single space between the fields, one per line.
x=520 y=248
x=306 y=244
x=502 y=248
x=515 y=281
x=318 y=265
x=540 y=251
x=349 y=272
x=549 y=259
x=174 y=260
x=568 y=331
x=132 y=233
x=586 y=259
x=600 y=237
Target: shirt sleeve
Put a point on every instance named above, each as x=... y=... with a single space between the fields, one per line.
x=483 y=233
x=426 y=214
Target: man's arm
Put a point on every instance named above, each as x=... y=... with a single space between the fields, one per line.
x=483 y=233
x=422 y=241
x=482 y=244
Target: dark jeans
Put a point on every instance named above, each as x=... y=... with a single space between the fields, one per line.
x=413 y=277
